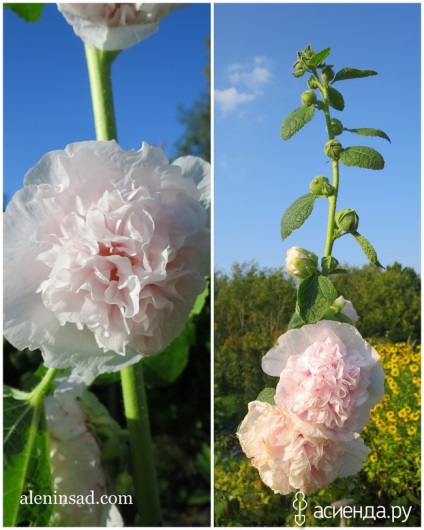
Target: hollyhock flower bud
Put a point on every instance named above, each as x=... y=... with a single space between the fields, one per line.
x=337 y=126
x=330 y=377
x=332 y=149
x=301 y=263
x=312 y=82
x=76 y=462
x=115 y=26
x=327 y=74
x=321 y=186
x=289 y=459
x=345 y=307
x=105 y=253
x=347 y=220
x=308 y=98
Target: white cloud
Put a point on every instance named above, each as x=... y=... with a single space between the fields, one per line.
x=230 y=98
x=247 y=82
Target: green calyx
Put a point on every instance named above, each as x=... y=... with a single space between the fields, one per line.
x=321 y=186
x=308 y=98
x=327 y=74
x=333 y=148
x=347 y=220
x=337 y=126
x=312 y=82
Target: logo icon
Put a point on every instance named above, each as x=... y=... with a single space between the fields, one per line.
x=299 y=505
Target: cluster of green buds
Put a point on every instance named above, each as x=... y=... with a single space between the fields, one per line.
x=321 y=186
x=347 y=220
x=301 y=263
x=301 y=65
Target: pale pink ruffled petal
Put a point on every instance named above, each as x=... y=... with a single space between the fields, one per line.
x=329 y=376
x=103 y=254
x=288 y=459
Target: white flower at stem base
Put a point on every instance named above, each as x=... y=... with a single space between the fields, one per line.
x=105 y=252
x=76 y=464
x=115 y=26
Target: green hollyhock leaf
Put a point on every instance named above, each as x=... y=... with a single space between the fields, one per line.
x=267 y=396
x=366 y=131
x=296 y=321
x=26 y=460
x=296 y=214
x=296 y=120
x=368 y=249
x=200 y=302
x=29 y=12
x=335 y=99
x=314 y=298
x=317 y=58
x=352 y=73
x=163 y=369
x=360 y=156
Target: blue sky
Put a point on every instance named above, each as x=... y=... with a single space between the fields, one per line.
x=258 y=175
x=47 y=102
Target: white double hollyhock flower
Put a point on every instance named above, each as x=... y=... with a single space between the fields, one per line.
x=330 y=377
x=289 y=457
x=115 y=26
x=105 y=253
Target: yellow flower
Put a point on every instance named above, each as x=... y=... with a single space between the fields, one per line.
x=395 y=372
x=396 y=391
x=416 y=380
x=392 y=429
x=373 y=458
x=412 y=430
x=402 y=413
x=416 y=357
x=414 y=416
x=397 y=438
x=414 y=368
x=386 y=398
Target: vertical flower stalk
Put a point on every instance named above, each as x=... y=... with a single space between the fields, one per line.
x=99 y=64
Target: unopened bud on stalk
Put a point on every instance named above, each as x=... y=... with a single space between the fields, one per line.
x=347 y=220
x=337 y=126
x=333 y=148
x=301 y=263
x=321 y=186
x=327 y=74
x=308 y=98
x=312 y=82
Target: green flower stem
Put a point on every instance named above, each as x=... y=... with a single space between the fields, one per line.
x=99 y=65
x=332 y=200
x=36 y=396
x=142 y=465
x=136 y=412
